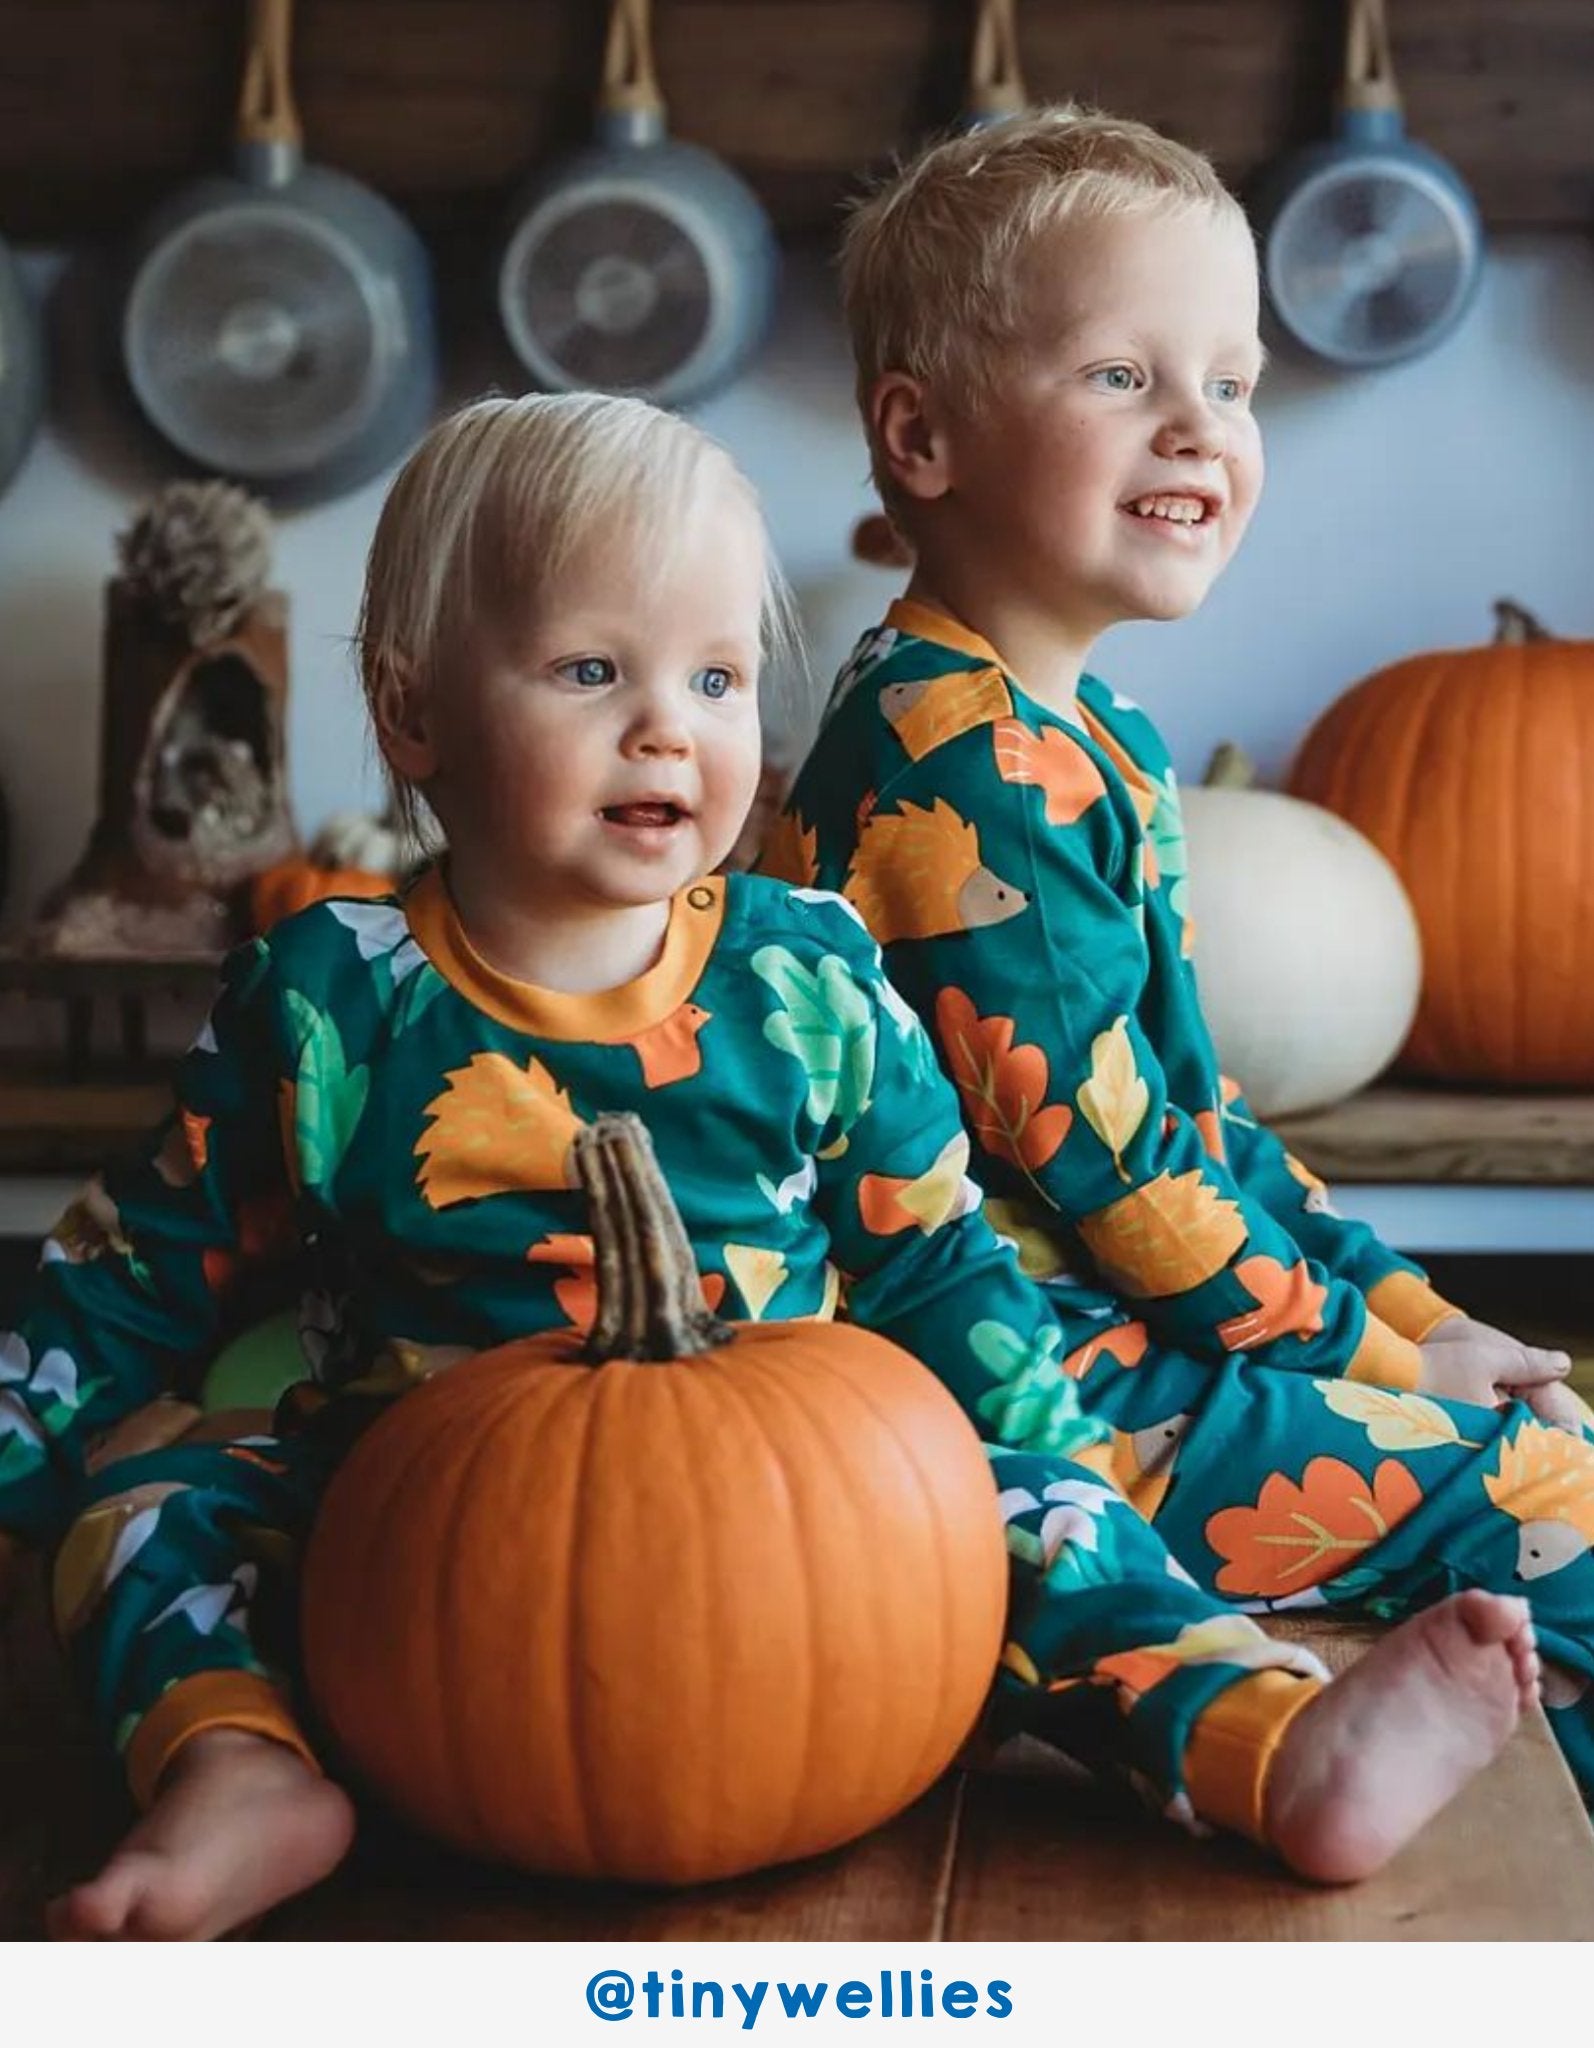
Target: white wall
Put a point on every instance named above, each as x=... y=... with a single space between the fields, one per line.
x=1398 y=506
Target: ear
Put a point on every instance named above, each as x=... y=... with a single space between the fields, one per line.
x=907 y=432
x=403 y=730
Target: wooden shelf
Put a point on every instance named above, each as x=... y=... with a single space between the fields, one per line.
x=445 y=104
x=1399 y=1134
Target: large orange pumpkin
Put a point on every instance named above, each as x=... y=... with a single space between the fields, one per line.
x=728 y=1596
x=1472 y=772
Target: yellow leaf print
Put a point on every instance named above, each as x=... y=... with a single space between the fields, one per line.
x=1042 y=1254
x=759 y=1275
x=496 y=1129
x=888 y=1204
x=1113 y=1099
x=1393 y=1422
x=1022 y=1665
x=829 y=1301
x=101 y=1544
x=1167 y=1236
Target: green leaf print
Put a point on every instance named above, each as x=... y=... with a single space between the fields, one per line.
x=19 y=1456
x=827 y=1023
x=1166 y=833
x=330 y=1098
x=1036 y=1408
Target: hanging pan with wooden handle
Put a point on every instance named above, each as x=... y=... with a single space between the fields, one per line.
x=1371 y=245
x=641 y=264
x=21 y=368
x=277 y=325
x=996 y=85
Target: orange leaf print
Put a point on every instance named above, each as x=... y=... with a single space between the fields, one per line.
x=1301 y=1535
x=1125 y=1342
x=185 y=1153
x=1170 y=1234
x=1003 y=1085
x=497 y=1129
x=577 y=1290
x=266 y=1230
x=1054 y=763
x=1288 y=1302
x=1141 y=791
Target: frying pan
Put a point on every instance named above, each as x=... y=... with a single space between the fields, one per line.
x=1371 y=244
x=642 y=263
x=277 y=324
x=21 y=369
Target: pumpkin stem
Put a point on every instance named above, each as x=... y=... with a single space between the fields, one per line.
x=1231 y=767
x=650 y=1300
x=1515 y=625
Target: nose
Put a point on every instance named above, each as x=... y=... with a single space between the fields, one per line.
x=1192 y=429
x=658 y=729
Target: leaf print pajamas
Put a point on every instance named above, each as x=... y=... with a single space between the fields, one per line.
x=1254 y=1355
x=371 y=1091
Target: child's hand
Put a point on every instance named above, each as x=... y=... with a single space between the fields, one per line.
x=1463 y=1360
x=1556 y=1404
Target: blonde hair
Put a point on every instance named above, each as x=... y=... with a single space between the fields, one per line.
x=934 y=260
x=491 y=505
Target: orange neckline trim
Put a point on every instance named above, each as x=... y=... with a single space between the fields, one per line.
x=697 y=913
x=928 y=622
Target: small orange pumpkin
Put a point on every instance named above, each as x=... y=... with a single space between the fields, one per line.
x=694 y=1600
x=294 y=884
x=1470 y=771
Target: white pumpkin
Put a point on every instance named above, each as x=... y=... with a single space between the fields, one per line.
x=355 y=839
x=1306 y=947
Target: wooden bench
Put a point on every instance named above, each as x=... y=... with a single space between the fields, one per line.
x=1025 y=1851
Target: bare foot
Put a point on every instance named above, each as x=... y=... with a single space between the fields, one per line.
x=239 y=1824
x=1382 y=1749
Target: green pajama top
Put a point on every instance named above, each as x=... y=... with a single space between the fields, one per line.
x=1026 y=876
x=369 y=1088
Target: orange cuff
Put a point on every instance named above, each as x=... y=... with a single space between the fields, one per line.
x=1386 y=1358
x=1234 y=1743
x=1408 y=1304
x=194 y=1706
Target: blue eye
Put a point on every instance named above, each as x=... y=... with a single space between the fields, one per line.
x=1228 y=390
x=591 y=671
x=714 y=682
x=1117 y=377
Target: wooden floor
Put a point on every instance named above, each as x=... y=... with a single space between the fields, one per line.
x=1025 y=1851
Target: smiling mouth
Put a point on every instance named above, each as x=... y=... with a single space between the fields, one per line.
x=1175 y=508
x=655 y=815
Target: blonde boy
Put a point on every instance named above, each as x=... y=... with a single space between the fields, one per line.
x=1055 y=324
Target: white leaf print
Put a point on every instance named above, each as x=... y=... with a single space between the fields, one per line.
x=378 y=928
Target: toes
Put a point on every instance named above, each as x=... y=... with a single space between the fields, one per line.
x=1491 y=1617
x=90 y=1912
